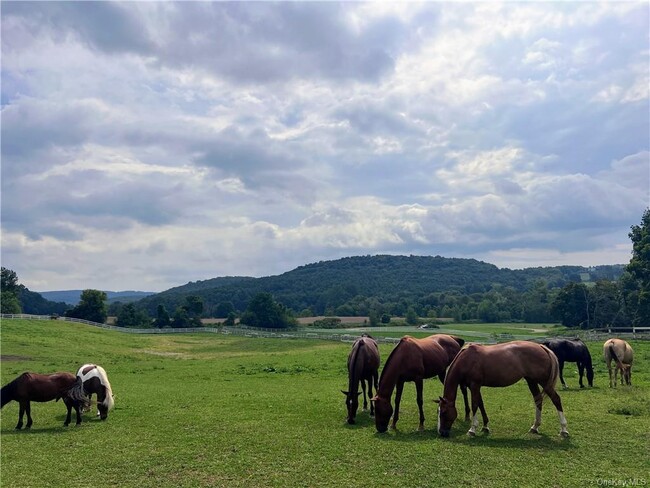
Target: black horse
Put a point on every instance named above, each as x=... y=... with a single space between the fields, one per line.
x=572 y=351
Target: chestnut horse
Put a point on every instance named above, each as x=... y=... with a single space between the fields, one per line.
x=92 y=379
x=497 y=366
x=572 y=351
x=34 y=387
x=363 y=367
x=623 y=355
x=413 y=360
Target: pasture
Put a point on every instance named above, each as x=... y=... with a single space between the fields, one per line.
x=212 y=410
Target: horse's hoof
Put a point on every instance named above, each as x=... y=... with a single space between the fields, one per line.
x=421 y=428
x=533 y=431
x=564 y=434
x=471 y=433
x=467 y=418
x=582 y=386
x=486 y=430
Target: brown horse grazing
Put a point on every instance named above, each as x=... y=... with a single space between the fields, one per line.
x=363 y=367
x=413 y=360
x=34 y=387
x=496 y=366
x=92 y=379
x=623 y=355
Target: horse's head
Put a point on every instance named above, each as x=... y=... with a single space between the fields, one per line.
x=446 y=416
x=352 y=404
x=383 y=413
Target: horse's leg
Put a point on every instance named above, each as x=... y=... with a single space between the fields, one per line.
x=373 y=380
x=21 y=412
x=555 y=398
x=561 y=364
x=609 y=370
x=77 y=409
x=538 y=399
x=418 y=388
x=398 y=399
x=476 y=401
x=363 y=388
x=28 y=411
x=68 y=404
x=463 y=390
x=485 y=428
x=581 y=371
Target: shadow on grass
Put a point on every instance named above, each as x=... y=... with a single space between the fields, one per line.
x=531 y=441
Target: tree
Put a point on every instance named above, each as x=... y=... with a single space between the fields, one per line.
x=92 y=307
x=162 y=317
x=189 y=314
x=130 y=316
x=9 y=290
x=571 y=306
x=264 y=311
x=638 y=289
x=411 y=316
x=230 y=320
x=223 y=309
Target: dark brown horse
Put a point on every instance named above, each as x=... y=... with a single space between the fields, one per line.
x=572 y=351
x=92 y=379
x=363 y=367
x=34 y=387
x=497 y=366
x=413 y=360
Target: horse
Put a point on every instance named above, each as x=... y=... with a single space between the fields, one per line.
x=92 y=379
x=413 y=360
x=500 y=365
x=35 y=387
x=572 y=351
x=623 y=354
x=363 y=367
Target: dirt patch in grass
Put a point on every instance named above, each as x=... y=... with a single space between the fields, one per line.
x=11 y=357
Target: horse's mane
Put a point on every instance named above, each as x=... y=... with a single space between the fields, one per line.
x=108 y=401
x=390 y=356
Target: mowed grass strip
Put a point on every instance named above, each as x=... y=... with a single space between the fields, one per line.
x=212 y=410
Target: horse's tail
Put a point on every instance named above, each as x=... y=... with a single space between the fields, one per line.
x=103 y=377
x=8 y=392
x=461 y=342
x=612 y=352
x=555 y=370
x=76 y=393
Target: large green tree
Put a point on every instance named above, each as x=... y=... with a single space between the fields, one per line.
x=264 y=311
x=92 y=306
x=637 y=289
x=9 y=292
x=130 y=316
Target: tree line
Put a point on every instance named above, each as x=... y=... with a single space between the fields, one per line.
x=393 y=286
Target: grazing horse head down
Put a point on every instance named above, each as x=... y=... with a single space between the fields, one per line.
x=363 y=367
x=572 y=351
x=35 y=387
x=413 y=360
x=498 y=366
x=623 y=355
x=93 y=379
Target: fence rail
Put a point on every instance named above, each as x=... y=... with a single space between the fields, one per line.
x=590 y=335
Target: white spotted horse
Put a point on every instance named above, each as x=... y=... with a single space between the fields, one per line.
x=92 y=379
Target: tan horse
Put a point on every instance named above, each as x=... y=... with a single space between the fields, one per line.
x=413 y=360
x=623 y=355
x=498 y=366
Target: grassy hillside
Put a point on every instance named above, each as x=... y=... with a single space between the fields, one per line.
x=212 y=410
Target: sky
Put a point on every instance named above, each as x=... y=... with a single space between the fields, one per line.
x=149 y=144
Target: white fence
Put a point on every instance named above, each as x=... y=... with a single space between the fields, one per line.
x=589 y=335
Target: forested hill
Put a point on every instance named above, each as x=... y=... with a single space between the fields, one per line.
x=342 y=285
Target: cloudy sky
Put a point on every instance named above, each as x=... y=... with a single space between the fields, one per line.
x=148 y=144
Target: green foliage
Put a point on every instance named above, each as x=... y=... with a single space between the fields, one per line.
x=16 y=298
x=162 y=317
x=264 y=311
x=637 y=288
x=327 y=323
x=130 y=316
x=385 y=318
x=224 y=309
x=92 y=307
x=230 y=320
x=411 y=316
x=9 y=302
x=389 y=284
x=189 y=314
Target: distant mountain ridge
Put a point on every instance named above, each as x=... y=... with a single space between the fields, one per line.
x=72 y=297
x=331 y=284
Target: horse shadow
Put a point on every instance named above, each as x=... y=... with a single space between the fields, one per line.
x=534 y=441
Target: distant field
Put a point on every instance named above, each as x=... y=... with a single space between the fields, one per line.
x=210 y=410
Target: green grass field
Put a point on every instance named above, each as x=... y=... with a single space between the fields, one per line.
x=213 y=410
